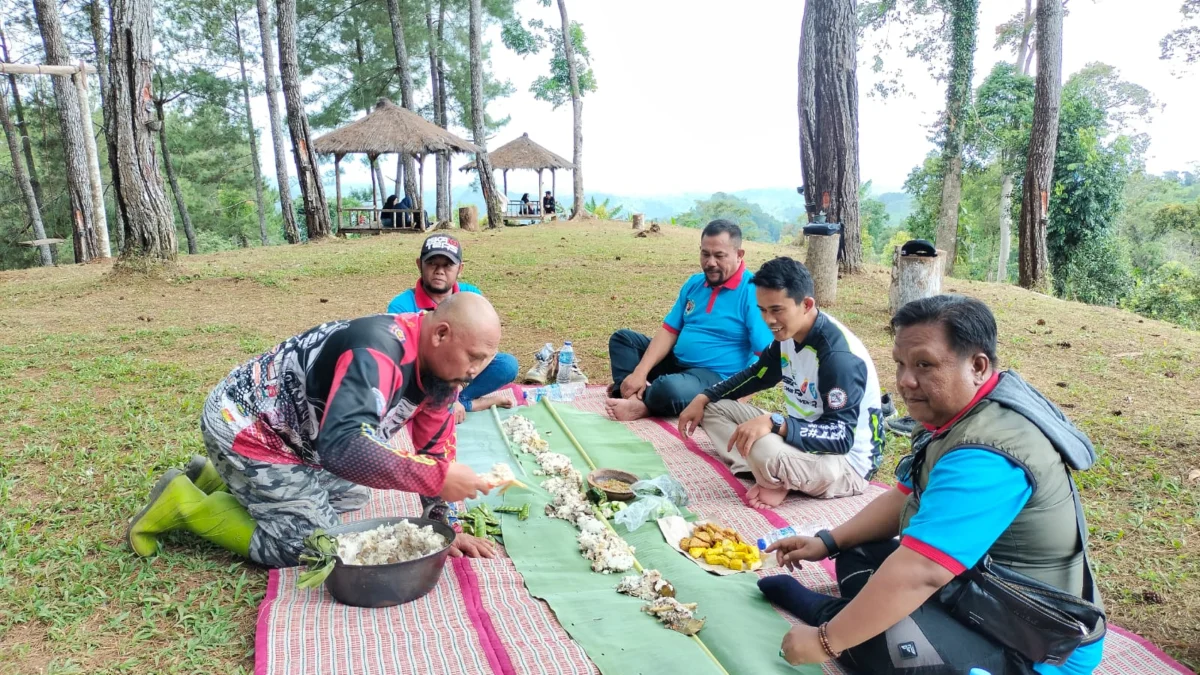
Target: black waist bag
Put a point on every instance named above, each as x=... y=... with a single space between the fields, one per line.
x=1036 y=620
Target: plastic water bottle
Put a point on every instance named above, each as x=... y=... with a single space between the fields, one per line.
x=772 y=537
x=979 y=671
x=555 y=392
x=566 y=359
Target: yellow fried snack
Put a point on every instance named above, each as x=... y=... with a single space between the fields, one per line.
x=721 y=546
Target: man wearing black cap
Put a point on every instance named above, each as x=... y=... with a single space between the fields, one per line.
x=440 y=264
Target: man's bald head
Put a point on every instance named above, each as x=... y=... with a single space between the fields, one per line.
x=458 y=340
x=468 y=312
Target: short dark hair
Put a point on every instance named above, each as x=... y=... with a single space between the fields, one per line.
x=969 y=323
x=721 y=226
x=785 y=274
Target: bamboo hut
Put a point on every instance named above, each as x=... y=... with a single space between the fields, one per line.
x=524 y=154
x=389 y=129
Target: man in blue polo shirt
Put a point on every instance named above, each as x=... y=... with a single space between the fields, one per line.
x=440 y=263
x=713 y=331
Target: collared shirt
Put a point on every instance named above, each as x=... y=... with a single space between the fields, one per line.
x=718 y=327
x=416 y=299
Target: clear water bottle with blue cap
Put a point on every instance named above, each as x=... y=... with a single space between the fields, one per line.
x=979 y=671
x=774 y=536
x=566 y=361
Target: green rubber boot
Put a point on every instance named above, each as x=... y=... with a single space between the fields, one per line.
x=202 y=472
x=176 y=503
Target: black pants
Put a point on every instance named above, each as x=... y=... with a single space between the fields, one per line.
x=672 y=385
x=927 y=642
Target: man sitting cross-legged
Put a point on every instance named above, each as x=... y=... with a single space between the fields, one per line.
x=713 y=331
x=440 y=263
x=829 y=444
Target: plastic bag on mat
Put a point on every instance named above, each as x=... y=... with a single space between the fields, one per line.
x=662 y=486
x=648 y=507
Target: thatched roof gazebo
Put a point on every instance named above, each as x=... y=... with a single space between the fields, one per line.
x=388 y=129
x=523 y=153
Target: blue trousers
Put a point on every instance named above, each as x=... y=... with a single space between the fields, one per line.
x=501 y=371
x=672 y=385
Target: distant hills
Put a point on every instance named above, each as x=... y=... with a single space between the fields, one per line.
x=780 y=202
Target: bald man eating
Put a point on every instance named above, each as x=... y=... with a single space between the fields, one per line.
x=301 y=434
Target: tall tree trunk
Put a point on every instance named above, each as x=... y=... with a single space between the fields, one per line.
x=173 y=179
x=316 y=211
x=252 y=133
x=272 y=81
x=142 y=202
x=577 y=107
x=447 y=166
x=97 y=22
x=828 y=106
x=70 y=119
x=406 y=90
x=1043 y=139
x=1022 y=63
x=1006 y=184
x=439 y=114
x=963 y=28
x=22 y=128
x=487 y=182
x=807 y=107
x=31 y=202
x=1006 y=188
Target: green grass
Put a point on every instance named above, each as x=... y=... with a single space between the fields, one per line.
x=102 y=377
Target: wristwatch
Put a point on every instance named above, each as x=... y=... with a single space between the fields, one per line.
x=776 y=422
x=826 y=538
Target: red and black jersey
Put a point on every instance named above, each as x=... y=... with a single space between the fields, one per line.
x=334 y=395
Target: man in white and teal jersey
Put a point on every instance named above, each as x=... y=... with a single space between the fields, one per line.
x=829 y=443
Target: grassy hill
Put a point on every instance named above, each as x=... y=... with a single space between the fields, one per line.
x=102 y=378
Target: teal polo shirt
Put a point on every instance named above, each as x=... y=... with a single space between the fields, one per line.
x=718 y=328
x=416 y=299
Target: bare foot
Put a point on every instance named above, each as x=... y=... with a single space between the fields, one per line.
x=625 y=409
x=496 y=399
x=767 y=497
x=752 y=494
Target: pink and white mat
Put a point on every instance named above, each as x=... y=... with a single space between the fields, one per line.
x=480 y=619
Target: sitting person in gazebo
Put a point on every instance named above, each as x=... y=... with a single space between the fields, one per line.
x=439 y=265
x=406 y=204
x=548 y=203
x=388 y=217
x=526 y=207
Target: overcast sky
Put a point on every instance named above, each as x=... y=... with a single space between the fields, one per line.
x=697 y=96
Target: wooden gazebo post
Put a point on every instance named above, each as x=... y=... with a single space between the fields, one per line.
x=374 y=188
x=337 y=181
x=541 y=211
x=420 y=219
x=505 y=172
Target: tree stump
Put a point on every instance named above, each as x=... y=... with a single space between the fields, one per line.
x=914 y=277
x=822 y=264
x=639 y=221
x=468 y=218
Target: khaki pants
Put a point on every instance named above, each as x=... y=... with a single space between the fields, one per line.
x=776 y=464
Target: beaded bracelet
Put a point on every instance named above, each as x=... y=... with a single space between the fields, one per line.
x=823 y=634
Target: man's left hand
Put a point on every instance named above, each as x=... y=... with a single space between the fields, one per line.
x=802 y=645
x=747 y=433
x=460 y=413
x=472 y=547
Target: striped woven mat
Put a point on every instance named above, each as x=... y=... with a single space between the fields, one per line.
x=480 y=619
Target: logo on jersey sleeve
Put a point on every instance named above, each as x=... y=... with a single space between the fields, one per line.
x=837 y=398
